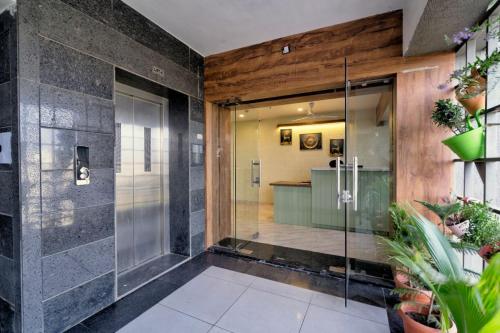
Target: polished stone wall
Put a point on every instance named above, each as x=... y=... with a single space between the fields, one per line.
x=68 y=53
x=9 y=211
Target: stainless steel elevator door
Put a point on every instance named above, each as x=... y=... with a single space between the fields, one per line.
x=139 y=168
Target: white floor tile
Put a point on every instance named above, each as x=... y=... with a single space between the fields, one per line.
x=359 y=309
x=165 y=320
x=228 y=275
x=282 y=289
x=319 y=320
x=258 y=311
x=204 y=297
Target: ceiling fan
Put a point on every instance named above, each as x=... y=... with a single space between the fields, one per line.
x=312 y=116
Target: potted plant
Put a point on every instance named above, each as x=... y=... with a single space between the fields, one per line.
x=407 y=285
x=464 y=301
x=471 y=79
x=489 y=250
x=468 y=142
x=451 y=215
x=484 y=229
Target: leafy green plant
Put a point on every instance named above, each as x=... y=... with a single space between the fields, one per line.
x=474 y=306
x=450 y=115
x=449 y=212
x=470 y=79
x=401 y=223
x=484 y=225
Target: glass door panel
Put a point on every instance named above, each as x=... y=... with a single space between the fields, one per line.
x=247 y=175
x=368 y=177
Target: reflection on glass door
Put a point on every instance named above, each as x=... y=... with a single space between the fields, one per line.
x=247 y=179
x=311 y=179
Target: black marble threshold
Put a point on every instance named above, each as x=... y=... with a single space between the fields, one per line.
x=134 y=304
x=315 y=262
x=136 y=277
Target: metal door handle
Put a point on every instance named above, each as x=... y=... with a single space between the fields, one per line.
x=255 y=179
x=355 y=182
x=338 y=184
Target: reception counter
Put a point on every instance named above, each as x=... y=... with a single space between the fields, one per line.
x=314 y=204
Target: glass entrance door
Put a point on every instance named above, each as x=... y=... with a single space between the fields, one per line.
x=311 y=179
x=247 y=176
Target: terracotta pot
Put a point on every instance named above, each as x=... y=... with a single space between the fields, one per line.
x=459 y=229
x=488 y=251
x=473 y=104
x=423 y=297
x=413 y=326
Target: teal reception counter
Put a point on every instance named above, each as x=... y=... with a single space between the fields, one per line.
x=314 y=204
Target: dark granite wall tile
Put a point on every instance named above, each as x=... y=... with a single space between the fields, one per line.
x=4 y=57
x=197 y=112
x=64 y=270
x=71 y=27
x=196 y=132
x=101 y=10
x=6 y=317
x=30 y=209
x=7 y=276
x=7 y=192
x=68 y=229
x=197 y=244
x=65 y=310
x=197 y=178
x=6 y=104
x=196 y=63
x=6 y=240
x=58 y=148
x=179 y=173
x=197 y=221
x=126 y=20
x=133 y=24
x=100 y=115
x=59 y=191
x=66 y=68
x=197 y=200
x=63 y=108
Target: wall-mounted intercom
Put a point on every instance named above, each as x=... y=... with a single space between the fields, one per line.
x=5 y=148
x=82 y=165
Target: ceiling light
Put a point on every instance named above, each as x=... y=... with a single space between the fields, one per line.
x=242 y=116
x=300 y=109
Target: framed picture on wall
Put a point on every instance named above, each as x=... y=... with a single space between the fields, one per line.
x=336 y=147
x=285 y=136
x=310 y=141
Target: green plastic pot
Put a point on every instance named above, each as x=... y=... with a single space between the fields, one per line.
x=468 y=146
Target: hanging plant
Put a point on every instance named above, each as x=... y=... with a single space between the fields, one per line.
x=468 y=142
x=470 y=80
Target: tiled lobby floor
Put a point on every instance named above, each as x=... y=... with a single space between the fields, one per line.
x=222 y=300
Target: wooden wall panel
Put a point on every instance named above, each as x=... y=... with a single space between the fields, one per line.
x=218 y=173
x=316 y=60
x=423 y=164
x=423 y=167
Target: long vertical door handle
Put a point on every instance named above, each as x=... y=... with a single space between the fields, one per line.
x=260 y=171
x=355 y=182
x=338 y=183
x=252 y=176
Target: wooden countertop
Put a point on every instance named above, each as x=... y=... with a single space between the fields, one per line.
x=292 y=184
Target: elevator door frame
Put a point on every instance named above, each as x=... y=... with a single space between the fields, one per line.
x=135 y=93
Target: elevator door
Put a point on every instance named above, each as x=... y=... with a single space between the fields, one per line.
x=139 y=179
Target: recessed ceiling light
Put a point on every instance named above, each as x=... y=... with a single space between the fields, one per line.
x=242 y=116
x=300 y=109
